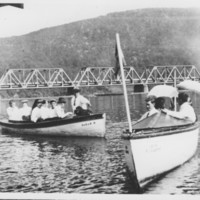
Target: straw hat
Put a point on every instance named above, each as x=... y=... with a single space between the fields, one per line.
x=40 y=101
x=61 y=100
x=52 y=100
x=24 y=101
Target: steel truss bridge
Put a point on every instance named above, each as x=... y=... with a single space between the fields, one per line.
x=95 y=76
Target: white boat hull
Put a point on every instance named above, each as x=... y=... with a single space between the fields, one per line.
x=149 y=157
x=92 y=128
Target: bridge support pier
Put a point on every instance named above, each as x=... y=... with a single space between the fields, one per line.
x=141 y=88
x=146 y=88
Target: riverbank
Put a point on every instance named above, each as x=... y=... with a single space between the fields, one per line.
x=46 y=92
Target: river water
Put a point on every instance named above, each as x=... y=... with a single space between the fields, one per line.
x=86 y=165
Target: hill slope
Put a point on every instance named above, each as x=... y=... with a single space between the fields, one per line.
x=148 y=37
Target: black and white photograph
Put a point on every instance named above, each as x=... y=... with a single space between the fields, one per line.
x=99 y=99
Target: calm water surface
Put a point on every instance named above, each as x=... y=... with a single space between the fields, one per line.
x=86 y=165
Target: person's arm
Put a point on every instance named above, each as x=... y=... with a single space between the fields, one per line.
x=34 y=115
x=143 y=116
x=9 y=112
x=59 y=112
x=179 y=115
x=29 y=111
x=85 y=101
x=188 y=112
x=72 y=103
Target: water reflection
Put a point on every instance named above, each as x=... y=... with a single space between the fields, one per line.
x=183 y=180
x=44 y=161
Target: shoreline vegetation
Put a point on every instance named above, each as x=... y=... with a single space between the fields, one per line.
x=149 y=37
x=66 y=92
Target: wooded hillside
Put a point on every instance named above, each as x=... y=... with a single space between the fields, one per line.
x=148 y=37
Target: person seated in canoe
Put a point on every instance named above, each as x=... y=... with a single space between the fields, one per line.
x=150 y=106
x=13 y=112
x=25 y=110
x=80 y=104
x=60 y=109
x=34 y=104
x=36 y=112
x=159 y=103
x=52 y=110
x=45 y=110
x=186 y=111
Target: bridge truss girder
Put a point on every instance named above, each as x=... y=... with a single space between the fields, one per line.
x=170 y=74
x=96 y=76
x=102 y=76
x=34 y=78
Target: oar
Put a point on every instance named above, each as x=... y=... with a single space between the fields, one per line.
x=123 y=81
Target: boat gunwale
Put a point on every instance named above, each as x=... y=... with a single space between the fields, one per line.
x=51 y=122
x=161 y=131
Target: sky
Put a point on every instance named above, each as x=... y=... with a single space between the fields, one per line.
x=38 y=14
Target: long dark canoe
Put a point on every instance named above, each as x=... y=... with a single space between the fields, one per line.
x=91 y=125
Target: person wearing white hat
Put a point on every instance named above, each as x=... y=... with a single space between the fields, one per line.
x=13 y=111
x=80 y=105
x=25 y=110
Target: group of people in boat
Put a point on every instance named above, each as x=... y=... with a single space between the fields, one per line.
x=186 y=111
x=44 y=109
